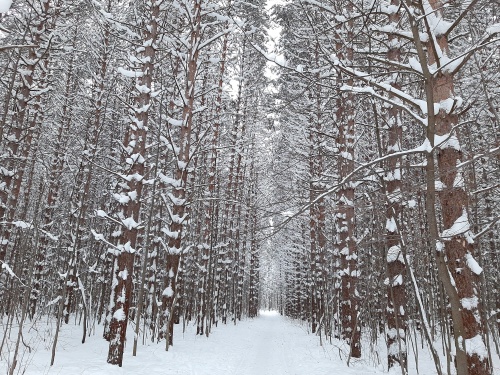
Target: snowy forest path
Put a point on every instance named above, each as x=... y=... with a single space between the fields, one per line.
x=267 y=345
x=269 y=349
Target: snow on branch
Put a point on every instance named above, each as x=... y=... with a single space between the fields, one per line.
x=493 y=29
x=13 y=46
x=19 y=224
x=369 y=90
x=100 y=237
x=460 y=226
x=50 y=235
x=54 y=301
x=488 y=227
x=423 y=149
x=9 y=270
x=272 y=57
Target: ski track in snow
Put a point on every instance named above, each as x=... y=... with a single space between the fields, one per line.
x=267 y=345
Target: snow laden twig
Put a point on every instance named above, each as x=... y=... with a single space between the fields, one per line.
x=19 y=224
x=422 y=149
x=423 y=316
x=9 y=270
x=14 y=46
x=487 y=228
x=100 y=237
x=476 y=157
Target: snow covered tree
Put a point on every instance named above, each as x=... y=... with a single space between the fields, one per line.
x=130 y=187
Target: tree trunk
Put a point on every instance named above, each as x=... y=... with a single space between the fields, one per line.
x=130 y=195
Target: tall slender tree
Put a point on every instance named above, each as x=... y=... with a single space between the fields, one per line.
x=134 y=169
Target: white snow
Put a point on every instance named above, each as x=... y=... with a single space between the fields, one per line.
x=394 y=253
x=267 y=345
x=393 y=175
x=169 y=233
x=439 y=246
x=176 y=201
x=459 y=180
x=101 y=213
x=5 y=5
x=6 y=267
x=448 y=104
x=21 y=224
x=394 y=349
x=130 y=223
x=398 y=280
x=135 y=158
x=119 y=315
x=131 y=177
x=415 y=64
x=168 y=292
x=391 y=225
x=132 y=195
x=437 y=24
x=493 y=29
x=54 y=301
x=126 y=248
x=469 y=303
x=121 y=198
x=287 y=213
x=169 y=181
x=460 y=226
x=50 y=235
x=174 y=122
x=123 y=274
x=425 y=146
x=439 y=186
x=451 y=65
x=472 y=264
x=97 y=236
x=129 y=73
x=476 y=345
x=446 y=141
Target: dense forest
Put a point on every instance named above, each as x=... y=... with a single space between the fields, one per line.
x=167 y=162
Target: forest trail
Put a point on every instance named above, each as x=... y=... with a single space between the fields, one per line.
x=271 y=348
x=267 y=345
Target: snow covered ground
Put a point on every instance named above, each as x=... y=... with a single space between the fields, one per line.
x=268 y=345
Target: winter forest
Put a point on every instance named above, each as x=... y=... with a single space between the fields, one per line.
x=178 y=175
